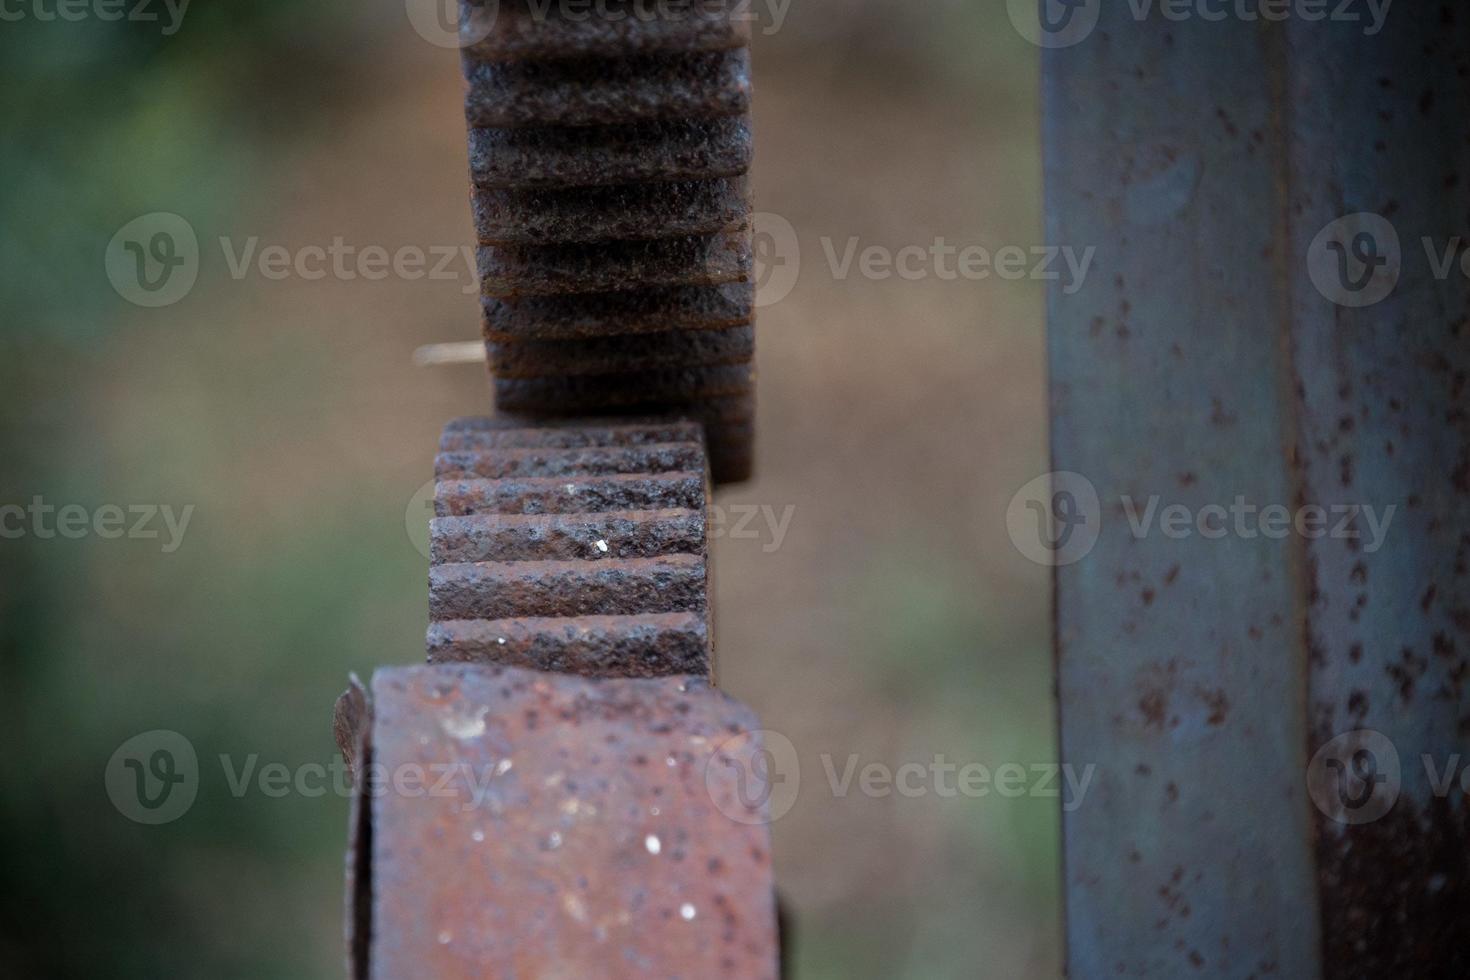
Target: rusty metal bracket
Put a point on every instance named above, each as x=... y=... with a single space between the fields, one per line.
x=517 y=823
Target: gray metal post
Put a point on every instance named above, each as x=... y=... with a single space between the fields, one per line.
x=1276 y=317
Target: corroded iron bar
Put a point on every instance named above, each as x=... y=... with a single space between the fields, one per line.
x=1264 y=325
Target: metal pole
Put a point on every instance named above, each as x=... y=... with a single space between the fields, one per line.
x=1275 y=324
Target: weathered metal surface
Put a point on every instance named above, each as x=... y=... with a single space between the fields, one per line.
x=633 y=352
x=351 y=724
x=586 y=92
x=637 y=645
x=512 y=30
x=564 y=547
x=566 y=537
x=1199 y=365
x=509 y=271
x=608 y=160
x=594 y=156
x=619 y=313
x=586 y=587
x=620 y=212
x=1377 y=126
x=1181 y=672
x=580 y=828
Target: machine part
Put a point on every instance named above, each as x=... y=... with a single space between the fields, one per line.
x=568 y=317
x=599 y=156
x=609 y=160
x=1264 y=328
x=509 y=271
x=571 y=547
x=630 y=352
x=505 y=216
x=602 y=91
x=516 y=30
x=559 y=826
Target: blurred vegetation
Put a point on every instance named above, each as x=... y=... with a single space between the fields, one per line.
x=102 y=122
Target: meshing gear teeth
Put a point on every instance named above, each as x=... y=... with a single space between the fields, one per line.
x=573 y=547
x=609 y=153
x=616 y=815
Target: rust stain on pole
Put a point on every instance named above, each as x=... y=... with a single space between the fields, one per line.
x=580 y=828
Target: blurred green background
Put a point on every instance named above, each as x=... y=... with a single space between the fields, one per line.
x=895 y=621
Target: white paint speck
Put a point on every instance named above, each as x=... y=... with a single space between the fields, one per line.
x=554 y=841
x=500 y=640
x=602 y=546
x=445 y=936
x=503 y=766
x=478 y=836
x=462 y=726
x=687 y=912
x=653 y=844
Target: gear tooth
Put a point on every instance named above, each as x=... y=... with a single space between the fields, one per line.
x=609 y=156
